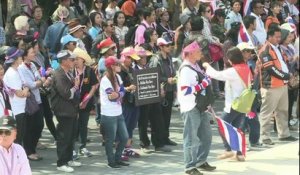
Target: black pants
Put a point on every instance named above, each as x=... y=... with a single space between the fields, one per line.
x=154 y=115
x=167 y=111
x=34 y=128
x=21 y=128
x=66 y=131
x=48 y=115
x=83 y=121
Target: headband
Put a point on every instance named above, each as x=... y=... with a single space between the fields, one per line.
x=12 y=55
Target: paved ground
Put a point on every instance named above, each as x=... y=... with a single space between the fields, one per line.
x=280 y=159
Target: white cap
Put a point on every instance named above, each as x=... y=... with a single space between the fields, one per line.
x=242 y=46
x=287 y=26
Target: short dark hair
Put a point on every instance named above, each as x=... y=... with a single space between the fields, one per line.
x=273 y=29
x=248 y=20
x=254 y=3
x=196 y=23
x=147 y=34
x=235 y=55
x=147 y=12
x=202 y=8
x=36 y=7
x=234 y=1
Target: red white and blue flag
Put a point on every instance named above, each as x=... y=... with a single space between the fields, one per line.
x=243 y=35
x=235 y=137
x=246 y=8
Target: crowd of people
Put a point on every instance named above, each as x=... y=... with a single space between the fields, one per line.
x=83 y=60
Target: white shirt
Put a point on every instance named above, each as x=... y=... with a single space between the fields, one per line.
x=2 y=105
x=187 y=77
x=281 y=60
x=108 y=107
x=110 y=13
x=12 y=81
x=260 y=31
x=233 y=84
x=231 y=18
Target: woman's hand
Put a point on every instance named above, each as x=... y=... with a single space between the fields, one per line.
x=205 y=65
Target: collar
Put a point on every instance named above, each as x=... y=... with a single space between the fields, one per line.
x=273 y=46
x=2 y=149
x=253 y=14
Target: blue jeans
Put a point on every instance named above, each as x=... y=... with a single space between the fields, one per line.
x=197 y=138
x=114 y=126
x=131 y=114
x=254 y=129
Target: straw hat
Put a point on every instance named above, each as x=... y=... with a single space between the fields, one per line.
x=83 y=55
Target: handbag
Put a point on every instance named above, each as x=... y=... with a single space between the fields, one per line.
x=216 y=52
x=294 y=81
x=31 y=105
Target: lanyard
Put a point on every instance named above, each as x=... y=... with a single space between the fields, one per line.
x=9 y=170
x=77 y=74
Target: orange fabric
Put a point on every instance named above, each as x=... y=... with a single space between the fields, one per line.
x=275 y=82
x=271 y=19
x=128 y=8
x=244 y=72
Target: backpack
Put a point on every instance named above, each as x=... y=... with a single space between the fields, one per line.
x=203 y=98
x=244 y=102
x=130 y=35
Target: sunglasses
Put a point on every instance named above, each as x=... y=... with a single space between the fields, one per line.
x=5 y=132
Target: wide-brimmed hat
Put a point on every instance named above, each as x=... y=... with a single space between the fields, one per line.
x=287 y=26
x=75 y=28
x=130 y=52
x=105 y=45
x=8 y=123
x=67 y=38
x=80 y=53
x=111 y=60
x=12 y=54
x=140 y=51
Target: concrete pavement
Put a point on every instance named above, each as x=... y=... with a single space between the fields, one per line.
x=280 y=159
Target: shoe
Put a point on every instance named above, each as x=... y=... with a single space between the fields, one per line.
x=289 y=139
x=268 y=142
x=146 y=150
x=226 y=155
x=75 y=155
x=122 y=163
x=131 y=153
x=124 y=158
x=240 y=158
x=193 y=171
x=65 y=168
x=171 y=143
x=34 y=157
x=40 y=146
x=163 y=149
x=258 y=145
x=74 y=164
x=207 y=167
x=85 y=152
x=113 y=165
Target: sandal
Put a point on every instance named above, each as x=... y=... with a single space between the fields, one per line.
x=130 y=153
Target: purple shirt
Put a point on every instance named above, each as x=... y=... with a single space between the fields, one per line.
x=14 y=161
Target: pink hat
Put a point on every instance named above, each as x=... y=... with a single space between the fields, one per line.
x=130 y=52
x=111 y=60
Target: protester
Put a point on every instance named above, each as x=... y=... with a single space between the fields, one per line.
x=77 y=31
x=13 y=159
x=151 y=36
x=64 y=102
x=111 y=93
x=234 y=15
x=111 y=9
x=97 y=6
x=96 y=21
x=272 y=16
x=260 y=31
x=197 y=134
x=121 y=28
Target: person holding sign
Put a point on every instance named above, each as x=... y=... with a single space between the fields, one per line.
x=111 y=94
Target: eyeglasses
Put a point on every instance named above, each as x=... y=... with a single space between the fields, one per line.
x=5 y=132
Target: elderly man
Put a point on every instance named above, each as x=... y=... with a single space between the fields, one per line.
x=65 y=104
x=13 y=159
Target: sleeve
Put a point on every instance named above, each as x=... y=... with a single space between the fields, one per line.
x=139 y=35
x=25 y=166
x=268 y=64
x=207 y=33
x=225 y=75
x=63 y=89
x=26 y=78
x=93 y=78
x=227 y=23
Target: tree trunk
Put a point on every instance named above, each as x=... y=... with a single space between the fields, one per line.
x=13 y=8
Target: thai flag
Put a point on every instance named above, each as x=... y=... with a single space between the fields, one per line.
x=243 y=35
x=234 y=137
x=246 y=8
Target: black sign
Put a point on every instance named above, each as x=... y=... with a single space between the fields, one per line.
x=147 y=86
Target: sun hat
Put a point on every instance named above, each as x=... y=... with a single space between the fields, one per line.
x=64 y=54
x=80 y=53
x=130 y=52
x=12 y=54
x=242 y=46
x=105 y=45
x=142 y=52
x=111 y=60
x=287 y=26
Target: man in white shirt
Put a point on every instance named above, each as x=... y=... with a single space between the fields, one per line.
x=234 y=15
x=197 y=134
x=260 y=31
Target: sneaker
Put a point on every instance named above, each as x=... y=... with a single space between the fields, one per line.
x=163 y=149
x=131 y=153
x=74 y=164
x=121 y=163
x=193 y=171
x=85 y=152
x=207 y=167
x=226 y=155
x=65 y=168
x=113 y=165
x=289 y=139
x=146 y=150
x=268 y=142
x=124 y=158
x=75 y=155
